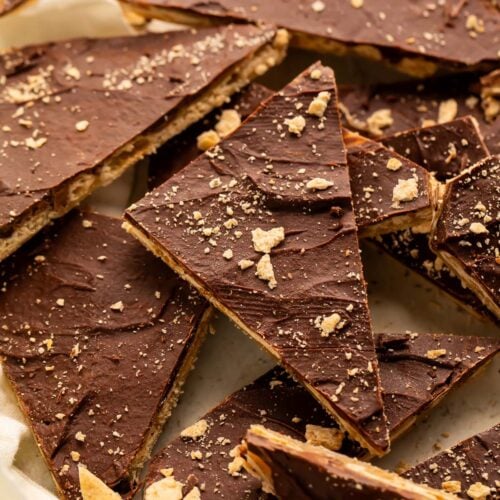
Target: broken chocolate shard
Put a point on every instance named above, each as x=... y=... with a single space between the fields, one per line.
x=182 y=149
x=292 y=469
x=389 y=191
x=417 y=40
x=98 y=358
x=75 y=115
x=470 y=469
x=466 y=230
x=412 y=379
x=445 y=149
x=249 y=224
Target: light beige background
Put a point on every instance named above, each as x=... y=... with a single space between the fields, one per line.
x=399 y=300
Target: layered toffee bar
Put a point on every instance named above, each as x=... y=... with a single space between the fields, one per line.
x=466 y=230
x=97 y=338
x=74 y=115
x=416 y=372
x=416 y=36
x=471 y=469
x=292 y=469
x=262 y=225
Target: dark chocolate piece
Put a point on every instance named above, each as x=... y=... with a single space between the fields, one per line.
x=466 y=232
x=291 y=469
x=263 y=226
x=97 y=338
x=412 y=381
x=445 y=150
x=182 y=149
x=415 y=35
x=389 y=192
x=404 y=106
x=74 y=115
x=471 y=469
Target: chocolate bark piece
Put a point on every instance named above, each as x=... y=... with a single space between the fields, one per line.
x=389 y=192
x=416 y=37
x=466 y=230
x=291 y=469
x=382 y=110
x=263 y=226
x=411 y=380
x=182 y=149
x=471 y=469
x=8 y=5
x=70 y=111
x=97 y=339
x=446 y=149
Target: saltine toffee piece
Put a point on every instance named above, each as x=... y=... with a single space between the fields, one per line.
x=446 y=150
x=466 y=230
x=416 y=371
x=9 y=5
x=471 y=469
x=389 y=191
x=187 y=146
x=263 y=226
x=415 y=36
x=70 y=119
x=292 y=469
x=382 y=110
x=97 y=338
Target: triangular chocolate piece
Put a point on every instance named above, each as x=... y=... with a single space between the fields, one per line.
x=292 y=469
x=263 y=226
x=75 y=115
x=417 y=40
x=466 y=230
x=412 y=381
x=389 y=191
x=471 y=469
x=97 y=338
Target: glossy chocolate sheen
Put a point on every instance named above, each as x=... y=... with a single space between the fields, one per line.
x=413 y=105
x=464 y=33
x=411 y=382
x=445 y=150
x=94 y=329
x=373 y=182
x=259 y=177
x=468 y=227
x=474 y=460
x=115 y=89
x=182 y=149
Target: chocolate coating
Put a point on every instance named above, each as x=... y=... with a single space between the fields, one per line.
x=411 y=383
x=444 y=32
x=373 y=182
x=468 y=227
x=445 y=150
x=259 y=177
x=416 y=103
x=474 y=460
x=182 y=149
x=94 y=331
x=66 y=107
